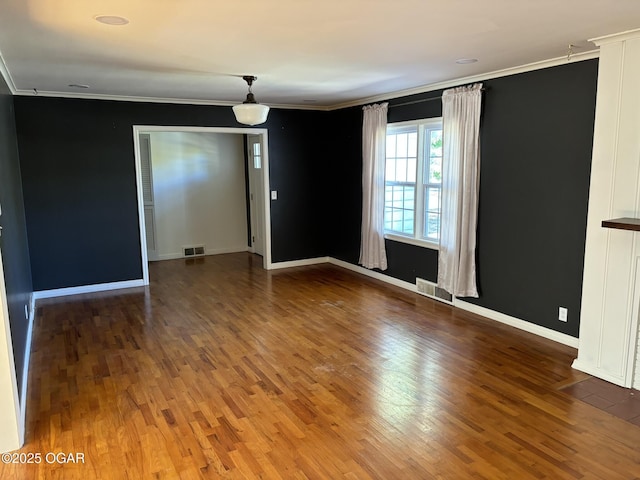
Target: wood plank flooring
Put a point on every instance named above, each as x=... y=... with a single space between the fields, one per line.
x=220 y=369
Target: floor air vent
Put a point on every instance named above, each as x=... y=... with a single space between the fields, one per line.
x=194 y=251
x=431 y=290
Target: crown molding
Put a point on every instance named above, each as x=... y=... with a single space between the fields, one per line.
x=324 y=108
x=4 y=71
x=616 y=37
x=578 y=57
x=180 y=101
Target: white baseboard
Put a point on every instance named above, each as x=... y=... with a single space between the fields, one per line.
x=299 y=263
x=373 y=274
x=518 y=323
x=596 y=372
x=485 y=312
x=209 y=251
x=99 y=287
x=220 y=251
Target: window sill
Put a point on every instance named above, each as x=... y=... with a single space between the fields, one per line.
x=412 y=241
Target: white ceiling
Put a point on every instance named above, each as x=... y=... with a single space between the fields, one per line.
x=311 y=53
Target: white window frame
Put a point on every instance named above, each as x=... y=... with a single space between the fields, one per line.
x=419 y=208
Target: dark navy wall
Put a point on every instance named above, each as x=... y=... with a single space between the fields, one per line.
x=536 y=140
x=298 y=141
x=13 y=242
x=537 y=128
x=79 y=185
x=537 y=137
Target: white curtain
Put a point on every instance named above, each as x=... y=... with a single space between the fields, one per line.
x=460 y=183
x=374 y=135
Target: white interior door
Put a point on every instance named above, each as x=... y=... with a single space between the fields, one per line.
x=147 y=194
x=256 y=192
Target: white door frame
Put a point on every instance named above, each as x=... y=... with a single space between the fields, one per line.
x=138 y=129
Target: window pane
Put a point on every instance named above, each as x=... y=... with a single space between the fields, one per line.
x=399 y=208
x=432 y=226
x=436 y=142
x=402 y=145
x=435 y=157
x=409 y=193
x=391 y=145
x=412 y=148
x=411 y=169
x=256 y=149
x=408 y=204
x=408 y=217
x=401 y=170
x=433 y=200
x=435 y=170
x=390 y=170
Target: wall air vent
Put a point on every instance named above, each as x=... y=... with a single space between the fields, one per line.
x=431 y=290
x=193 y=251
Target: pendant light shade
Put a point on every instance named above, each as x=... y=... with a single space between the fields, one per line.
x=250 y=112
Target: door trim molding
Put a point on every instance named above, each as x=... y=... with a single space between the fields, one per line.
x=138 y=129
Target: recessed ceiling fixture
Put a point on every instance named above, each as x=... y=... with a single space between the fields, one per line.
x=78 y=85
x=250 y=112
x=111 y=19
x=464 y=61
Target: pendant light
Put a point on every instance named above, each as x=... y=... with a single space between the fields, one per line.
x=250 y=112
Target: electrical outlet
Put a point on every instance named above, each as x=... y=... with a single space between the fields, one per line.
x=562 y=314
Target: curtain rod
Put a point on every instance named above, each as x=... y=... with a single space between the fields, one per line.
x=421 y=100
x=415 y=101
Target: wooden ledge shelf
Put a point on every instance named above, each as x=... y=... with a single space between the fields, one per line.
x=625 y=223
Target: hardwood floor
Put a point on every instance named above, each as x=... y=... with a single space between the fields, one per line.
x=222 y=370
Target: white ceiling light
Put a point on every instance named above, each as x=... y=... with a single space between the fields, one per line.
x=111 y=19
x=464 y=61
x=250 y=112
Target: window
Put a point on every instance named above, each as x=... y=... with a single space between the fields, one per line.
x=257 y=156
x=413 y=175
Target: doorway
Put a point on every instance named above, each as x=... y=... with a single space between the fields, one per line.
x=258 y=180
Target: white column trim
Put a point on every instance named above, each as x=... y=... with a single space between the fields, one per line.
x=633 y=357
x=616 y=37
x=608 y=324
x=11 y=434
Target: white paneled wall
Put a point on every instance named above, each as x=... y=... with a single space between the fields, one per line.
x=11 y=432
x=609 y=318
x=636 y=380
x=199 y=192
